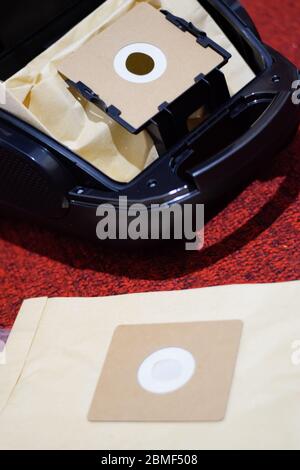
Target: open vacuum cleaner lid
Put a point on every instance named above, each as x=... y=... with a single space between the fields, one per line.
x=47 y=20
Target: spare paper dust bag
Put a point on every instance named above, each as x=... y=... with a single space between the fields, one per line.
x=58 y=347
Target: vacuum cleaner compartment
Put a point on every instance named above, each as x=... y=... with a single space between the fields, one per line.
x=38 y=94
x=69 y=140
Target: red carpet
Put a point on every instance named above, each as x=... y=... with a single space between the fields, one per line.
x=255 y=239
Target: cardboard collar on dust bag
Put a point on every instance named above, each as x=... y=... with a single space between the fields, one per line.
x=168 y=372
x=141 y=63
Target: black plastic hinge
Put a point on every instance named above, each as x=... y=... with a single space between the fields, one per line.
x=200 y=35
x=113 y=112
x=88 y=94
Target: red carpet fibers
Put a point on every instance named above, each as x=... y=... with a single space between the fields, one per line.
x=255 y=239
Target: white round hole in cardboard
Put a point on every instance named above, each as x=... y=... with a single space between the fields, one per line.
x=166 y=370
x=140 y=63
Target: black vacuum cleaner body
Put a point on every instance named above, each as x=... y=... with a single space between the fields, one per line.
x=44 y=181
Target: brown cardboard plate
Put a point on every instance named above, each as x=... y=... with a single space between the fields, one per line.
x=93 y=64
x=119 y=396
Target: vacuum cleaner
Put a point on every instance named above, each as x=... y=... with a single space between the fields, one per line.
x=43 y=181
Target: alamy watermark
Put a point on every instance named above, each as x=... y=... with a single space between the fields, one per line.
x=2 y=353
x=295 y=357
x=126 y=221
x=3 y=338
x=2 y=93
x=296 y=93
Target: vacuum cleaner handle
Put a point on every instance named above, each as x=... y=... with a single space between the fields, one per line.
x=265 y=138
